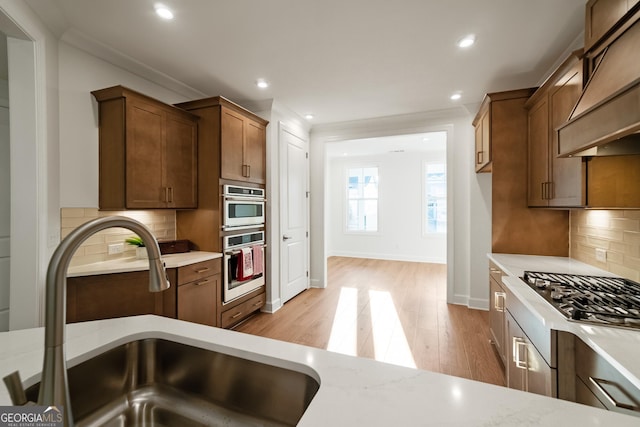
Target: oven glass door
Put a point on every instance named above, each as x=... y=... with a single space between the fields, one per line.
x=233 y=286
x=240 y=213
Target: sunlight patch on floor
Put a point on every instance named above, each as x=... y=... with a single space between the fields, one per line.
x=389 y=340
x=344 y=333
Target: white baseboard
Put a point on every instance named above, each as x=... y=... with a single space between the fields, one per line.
x=316 y=283
x=390 y=257
x=272 y=307
x=479 y=303
x=4 y=320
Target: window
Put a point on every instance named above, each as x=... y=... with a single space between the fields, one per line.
x=362 y=199
x=435 y=198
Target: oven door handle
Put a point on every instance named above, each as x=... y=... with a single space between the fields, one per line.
x=256 y=199
x=237 y=251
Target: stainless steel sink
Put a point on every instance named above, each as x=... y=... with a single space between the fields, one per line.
x=156 y=382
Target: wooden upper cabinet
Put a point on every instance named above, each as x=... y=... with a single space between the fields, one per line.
x=553 y=181
x=602 y=17
x=231 y=145
x=238 y=135
x=538 y=153
x=147 y=152
x=254 y=152
x=482 y=124
x=242 y=147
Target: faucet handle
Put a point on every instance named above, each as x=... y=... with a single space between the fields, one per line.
x=15 y=388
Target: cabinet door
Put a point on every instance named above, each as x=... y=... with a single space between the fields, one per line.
x=197 y=301
x=567 y=173
x=181 y=162
x=231 y=145
x=538 y=146
x=516 y=355
x=483 y=141
x=496 y=317
x=254 y=152
x=541 y=379
x=144 y=155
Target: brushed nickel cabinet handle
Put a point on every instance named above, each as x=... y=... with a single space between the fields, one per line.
x=497 y=297
x=519 y=343
x=479 y=157
x=238 y=314
x=248 y=171
x=170 y=192
x=602 y=385
x=257 y=304
x=202 y=270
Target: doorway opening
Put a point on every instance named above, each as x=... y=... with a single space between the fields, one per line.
x=387 y=198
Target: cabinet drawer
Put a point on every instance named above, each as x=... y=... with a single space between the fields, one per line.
x=606 y=383
x=236 y=314
x=198 y=271
x=495 y=273
x=197 y=301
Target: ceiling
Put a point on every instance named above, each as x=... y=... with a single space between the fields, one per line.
x=340 y=60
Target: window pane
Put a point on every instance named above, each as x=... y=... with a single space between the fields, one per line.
x=362 y=203
x=436 y=198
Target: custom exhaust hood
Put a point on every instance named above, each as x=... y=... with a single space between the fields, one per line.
x=606 y=118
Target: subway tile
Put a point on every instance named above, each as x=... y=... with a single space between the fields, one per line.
x=91 y=212
x=71 y=212
x=624 y=271
x=625 y=224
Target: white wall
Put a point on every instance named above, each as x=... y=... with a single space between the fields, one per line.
x=33 y=98
x=400 y=234
x=468 y=224
x=81 y=73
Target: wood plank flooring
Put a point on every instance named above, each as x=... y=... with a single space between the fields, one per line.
x=391 y=311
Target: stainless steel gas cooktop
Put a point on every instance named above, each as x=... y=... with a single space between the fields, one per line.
x=610 y=301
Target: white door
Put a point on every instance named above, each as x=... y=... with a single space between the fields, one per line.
x=294 y=214
x=5 y=223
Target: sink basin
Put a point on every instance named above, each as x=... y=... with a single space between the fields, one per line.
x=156 y=382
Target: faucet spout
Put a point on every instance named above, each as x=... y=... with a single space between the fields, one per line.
x=54 y=389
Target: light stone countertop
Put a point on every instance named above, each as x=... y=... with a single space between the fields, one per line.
x=125 y=265
x=353 y=391
x=619 y=346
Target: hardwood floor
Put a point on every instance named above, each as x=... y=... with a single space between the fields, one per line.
x=391 y=311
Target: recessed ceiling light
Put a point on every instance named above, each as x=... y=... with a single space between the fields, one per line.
x=456 y=96
x=262 y=83
x=163 y=11
x=467 y=41
x=308 y=116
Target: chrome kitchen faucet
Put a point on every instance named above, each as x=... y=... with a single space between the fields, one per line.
x=54 y=388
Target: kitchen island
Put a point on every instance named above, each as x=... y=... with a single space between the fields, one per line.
x=353 y=391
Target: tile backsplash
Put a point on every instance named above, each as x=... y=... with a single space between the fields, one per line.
x=162 y=224
x=615 y=231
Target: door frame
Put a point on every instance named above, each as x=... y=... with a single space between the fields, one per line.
x=35 y=213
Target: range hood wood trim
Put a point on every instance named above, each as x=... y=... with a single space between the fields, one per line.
x=609 y=107
x=612 y=125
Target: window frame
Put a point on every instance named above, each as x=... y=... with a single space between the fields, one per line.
x=345 y=189
x=425 y=208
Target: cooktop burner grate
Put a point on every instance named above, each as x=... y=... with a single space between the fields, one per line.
x=601 y=300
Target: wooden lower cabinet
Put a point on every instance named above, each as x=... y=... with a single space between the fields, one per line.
x=234 y=315
x=198 y=286
x=526 y=368
x=497 y=299
x=194 y=295
x=106 y=296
